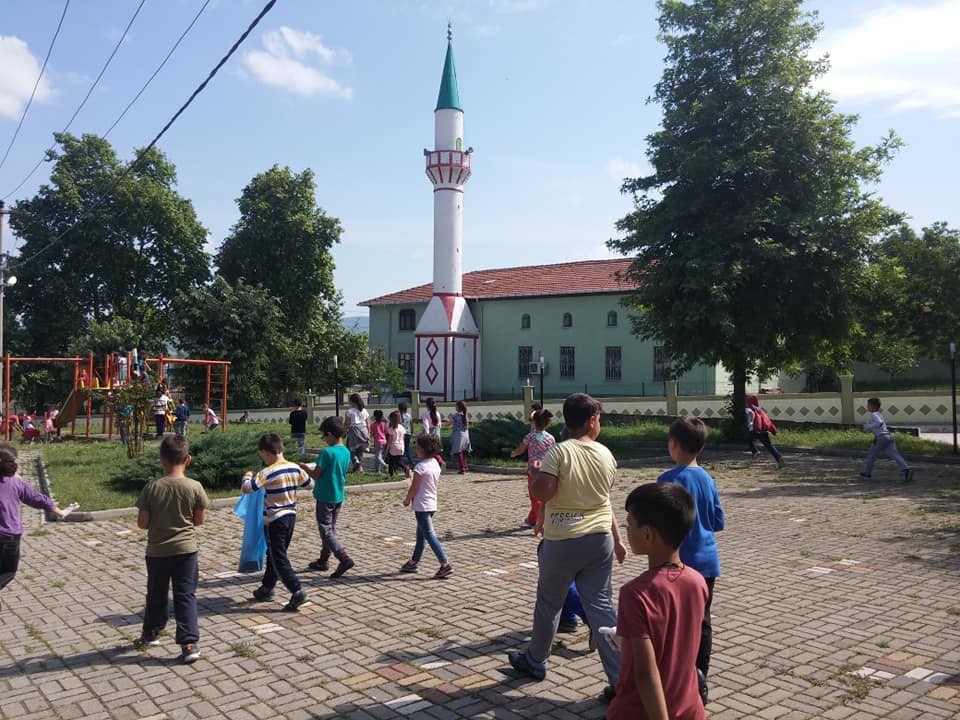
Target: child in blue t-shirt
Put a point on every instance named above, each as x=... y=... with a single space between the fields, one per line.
x=685 y=441
x=330 y=473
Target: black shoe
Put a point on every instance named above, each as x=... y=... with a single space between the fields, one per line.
x=145 y=641
x=567 y=626
x=908 y=475
x=263 y=594
x=344 y=565
x=866 y=477
x=296 y=600
x=446 y=570
x=319 y=564
x=608 y=694
x=521 y=663
x=702 y=685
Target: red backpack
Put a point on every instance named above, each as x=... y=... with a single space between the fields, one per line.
x=762 y=422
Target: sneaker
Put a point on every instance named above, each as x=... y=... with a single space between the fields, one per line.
x=446 y=570
x=780 y=464
x=408 y=567
x=263 y=594
x=342 y=567
x=567 y=626
x=190 y=653
x=591 y=640
x=702 y=685
x=865 y=476
x=608 y=694
x=296 y=600
x=908 y=475
x=319 y=564
x=145 y=641
x=521 y=663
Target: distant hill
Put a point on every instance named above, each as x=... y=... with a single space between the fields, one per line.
x=357 y=323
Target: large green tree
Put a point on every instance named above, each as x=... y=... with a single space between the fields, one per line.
x=241 y=323
x=912 y=308
x=137 y=243
x=750 y=235
x=282 y=243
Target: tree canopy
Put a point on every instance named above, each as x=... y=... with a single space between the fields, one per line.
x=750 y=235
x=139 y=245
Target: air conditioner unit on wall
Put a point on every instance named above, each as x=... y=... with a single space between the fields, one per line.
x=534 y=368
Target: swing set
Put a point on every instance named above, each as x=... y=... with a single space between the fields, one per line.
x=117 y=371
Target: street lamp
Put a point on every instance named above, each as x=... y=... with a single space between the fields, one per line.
x=336 y=384
x=541 y=381
x=953 y=391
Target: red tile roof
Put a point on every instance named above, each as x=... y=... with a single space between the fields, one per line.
x=585 y=277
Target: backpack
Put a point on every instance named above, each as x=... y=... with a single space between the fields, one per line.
x=762 y=422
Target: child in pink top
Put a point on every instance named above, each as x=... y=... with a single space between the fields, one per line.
x=535 y=444
x=396 y=443
x=378 y=434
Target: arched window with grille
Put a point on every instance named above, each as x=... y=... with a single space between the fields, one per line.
x=567 y=320
x=612 y=318
x=525 y=322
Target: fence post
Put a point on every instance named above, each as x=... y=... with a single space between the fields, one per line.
x=670 y=386
x=311 y=399
x=527 y=399
x=846 y=399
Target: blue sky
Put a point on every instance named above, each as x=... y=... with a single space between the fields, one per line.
x=554 y=94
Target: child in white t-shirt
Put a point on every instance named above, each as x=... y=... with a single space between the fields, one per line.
x=422 y=495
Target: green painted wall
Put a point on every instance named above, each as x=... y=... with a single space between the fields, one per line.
x=502 y=336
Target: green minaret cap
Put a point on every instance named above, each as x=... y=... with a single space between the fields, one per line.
x=449 y=97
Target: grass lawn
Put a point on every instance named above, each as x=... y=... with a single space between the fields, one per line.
x=81 y=471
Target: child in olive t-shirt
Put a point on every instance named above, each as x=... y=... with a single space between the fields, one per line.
x=170 y=509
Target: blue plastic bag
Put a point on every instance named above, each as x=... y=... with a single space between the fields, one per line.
x=253 y=550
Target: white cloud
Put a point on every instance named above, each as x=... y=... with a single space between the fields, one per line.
x=906 y=56
x=618 y=169
x=20 y=70
x=285 y=63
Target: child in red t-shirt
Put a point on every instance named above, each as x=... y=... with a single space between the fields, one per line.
x=660 y=612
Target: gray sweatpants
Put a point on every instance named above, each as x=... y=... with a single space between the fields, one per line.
x=588 y=560
x=888 y=446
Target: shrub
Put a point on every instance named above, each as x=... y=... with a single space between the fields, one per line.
x=219 y=461
x=495 y=438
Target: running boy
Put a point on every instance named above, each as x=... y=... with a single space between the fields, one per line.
x=883 y=442
x=281 y=478
x=330 y=472
x=170 y=510
x=659 y=612
x=685 y=441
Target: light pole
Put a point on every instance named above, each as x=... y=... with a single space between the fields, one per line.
x=953 y=391
x=336 y=384
x=541 y=381
x=4 y=284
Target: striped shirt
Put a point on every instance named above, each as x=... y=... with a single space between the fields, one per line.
x=280 y=481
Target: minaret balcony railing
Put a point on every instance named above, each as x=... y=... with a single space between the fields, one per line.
x=448 y=167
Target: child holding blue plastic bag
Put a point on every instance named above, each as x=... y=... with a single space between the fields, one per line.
x=253 y=549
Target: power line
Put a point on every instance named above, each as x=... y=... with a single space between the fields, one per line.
x=82 y=102
x=103 y=198
x=53 y=40
x=159 y=67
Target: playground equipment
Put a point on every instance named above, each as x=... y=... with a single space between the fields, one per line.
x=117 y=371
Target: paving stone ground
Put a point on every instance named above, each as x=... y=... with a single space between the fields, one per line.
x=839 y=600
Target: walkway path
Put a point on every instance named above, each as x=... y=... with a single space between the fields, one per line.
x=839 y=600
